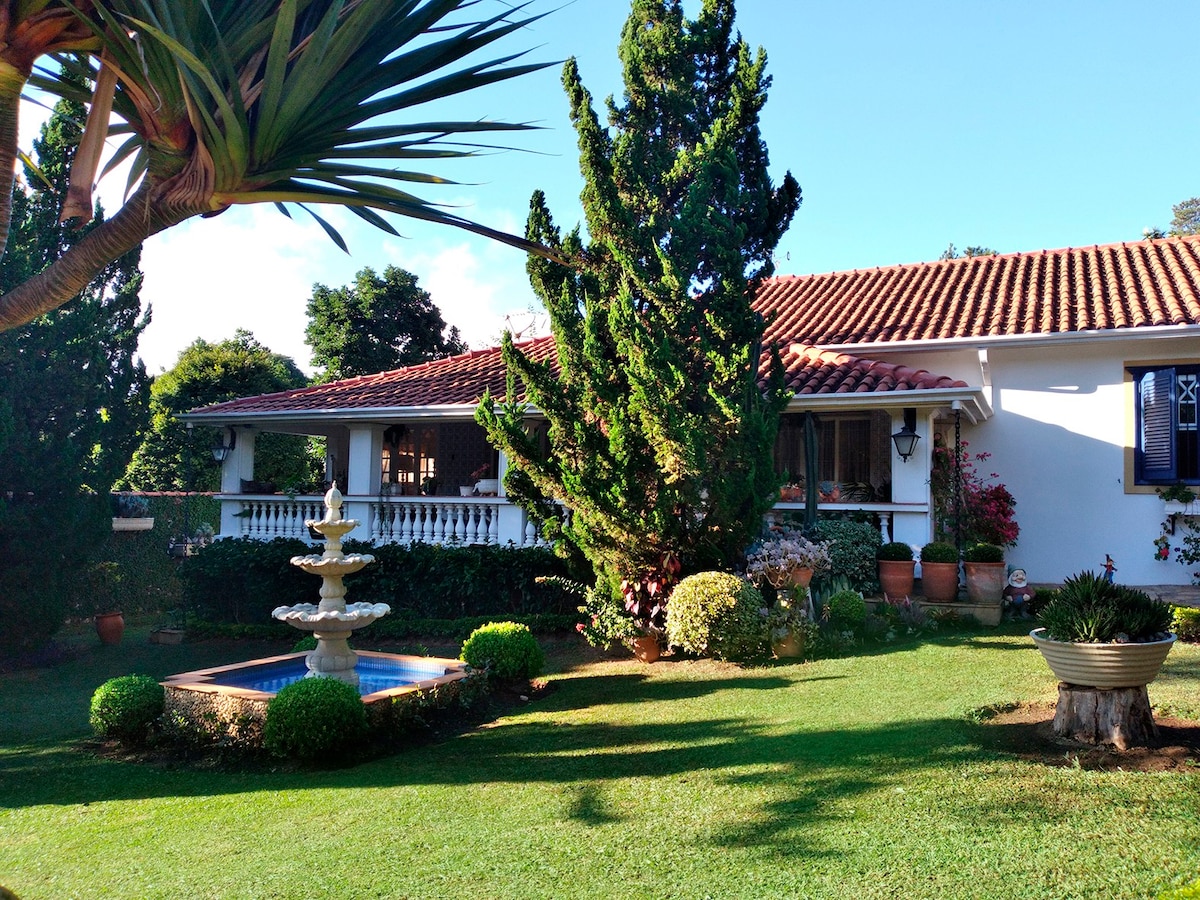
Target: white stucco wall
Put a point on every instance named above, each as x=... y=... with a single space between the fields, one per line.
x=1062 y=422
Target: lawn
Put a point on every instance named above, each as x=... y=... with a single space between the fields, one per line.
x=867 y=776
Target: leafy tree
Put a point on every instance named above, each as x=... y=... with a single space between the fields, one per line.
x=375 y=325
x=659 y=437
x=951 y=252
x=1186 y=218
x=212 y=373
x=74 y=400
x=246 y=101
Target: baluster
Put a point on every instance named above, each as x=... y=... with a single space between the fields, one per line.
x=474 y=519
x=492 y=514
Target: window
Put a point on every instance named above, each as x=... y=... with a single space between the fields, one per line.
x=1166 y=449
x=844 y=445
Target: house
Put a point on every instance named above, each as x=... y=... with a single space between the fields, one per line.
x=1076 y=369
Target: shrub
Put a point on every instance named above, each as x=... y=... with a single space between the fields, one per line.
x=1186 y=623
x=895 y=551
x=939 y=552
x=853 y=546
x=305 y=644
x=126 y=707
x=847 y=611
x=1090 y=609
x=717 y=614
x=315 y=718
x=508 y=650
x=984 y=553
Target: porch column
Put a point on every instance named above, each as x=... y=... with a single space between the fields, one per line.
x=910 y=482
x=363 y=474
x=237 y=466
x=511 y=519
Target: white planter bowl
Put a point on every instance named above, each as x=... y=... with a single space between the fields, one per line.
x=1103 y=666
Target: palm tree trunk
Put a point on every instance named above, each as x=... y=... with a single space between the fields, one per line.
x=137 y=220
x=11 y=83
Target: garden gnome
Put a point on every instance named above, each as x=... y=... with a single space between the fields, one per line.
x=1018 y=593
x=1109 y=568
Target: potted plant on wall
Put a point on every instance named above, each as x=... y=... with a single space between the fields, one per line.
x=1104 y=642
x=896 y=565
x=939 y=572
x=985 y=573
x=131 y=512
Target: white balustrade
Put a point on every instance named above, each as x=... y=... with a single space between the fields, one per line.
x=266 y=517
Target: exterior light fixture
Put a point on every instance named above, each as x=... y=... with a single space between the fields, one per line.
x=906 y=438
x=221 y=450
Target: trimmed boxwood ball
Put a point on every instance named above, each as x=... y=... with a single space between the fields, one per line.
x=318 y=718
x=717 y=614
x=508 y=650
x=984 y=553
x=847 y=610
x=939 y=552
x=126 y=707
x=895 y=551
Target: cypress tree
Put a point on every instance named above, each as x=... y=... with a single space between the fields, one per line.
x=659 y=436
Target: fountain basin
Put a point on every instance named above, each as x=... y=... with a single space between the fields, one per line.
x=231 y=701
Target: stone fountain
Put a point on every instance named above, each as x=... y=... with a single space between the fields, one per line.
x=333 y=620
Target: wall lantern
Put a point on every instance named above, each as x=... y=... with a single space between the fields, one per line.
x=221 y=450
x=906 y=438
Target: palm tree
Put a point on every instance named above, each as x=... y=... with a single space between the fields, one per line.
x=251 y=101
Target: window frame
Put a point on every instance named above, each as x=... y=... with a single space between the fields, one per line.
x=1145 y=474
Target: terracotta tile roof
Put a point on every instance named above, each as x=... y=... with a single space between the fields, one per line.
x=810 y=370
x=456 y=380
x=1129 y=285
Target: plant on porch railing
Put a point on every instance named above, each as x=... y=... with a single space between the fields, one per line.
x=985 y=513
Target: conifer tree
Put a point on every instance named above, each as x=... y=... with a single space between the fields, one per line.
x=659 y=436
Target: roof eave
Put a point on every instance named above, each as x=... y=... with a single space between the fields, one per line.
x=971 y=400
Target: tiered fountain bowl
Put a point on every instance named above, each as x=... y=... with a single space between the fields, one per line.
x=332 y=621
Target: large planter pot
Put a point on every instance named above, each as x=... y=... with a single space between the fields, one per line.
x=939 y=581
x=791 y=646
x=645 y=647
x=1104 y=666
x=985 y=581
x=896 y=578
x=110 y=627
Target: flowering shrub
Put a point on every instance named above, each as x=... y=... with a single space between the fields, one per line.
x=986 y=507
x=773 y=558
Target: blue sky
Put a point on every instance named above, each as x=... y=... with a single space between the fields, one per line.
x=909 y=125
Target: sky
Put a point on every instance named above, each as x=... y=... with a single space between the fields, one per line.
x=1012 y=124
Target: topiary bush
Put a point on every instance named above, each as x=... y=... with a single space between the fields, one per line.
x=507 y=650
x=939 y=552
x=854 y=546
x=895 y=551
x=315 y=719
x=124 y=708
x=984 y=553
x=717 y=614
x=846 y=611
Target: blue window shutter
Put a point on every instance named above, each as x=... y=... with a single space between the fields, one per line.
x=1156 y=425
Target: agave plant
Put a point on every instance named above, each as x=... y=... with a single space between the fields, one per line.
x=302 y=102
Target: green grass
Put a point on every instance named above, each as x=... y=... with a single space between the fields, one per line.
x=863 y=776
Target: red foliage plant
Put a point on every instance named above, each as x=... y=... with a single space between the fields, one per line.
x=987 y=507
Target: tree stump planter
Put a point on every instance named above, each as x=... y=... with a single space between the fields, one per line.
x=1102 y=695
x=1117 y=716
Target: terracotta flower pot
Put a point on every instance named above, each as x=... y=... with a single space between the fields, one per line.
x=1104 y=666
x=939 y=581
x=896 y=578
x=790 y=646
x=645 y=647
x=800 y=576
x=110 y=627
x=985 y=581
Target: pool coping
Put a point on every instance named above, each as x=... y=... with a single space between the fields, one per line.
x=200 y=680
